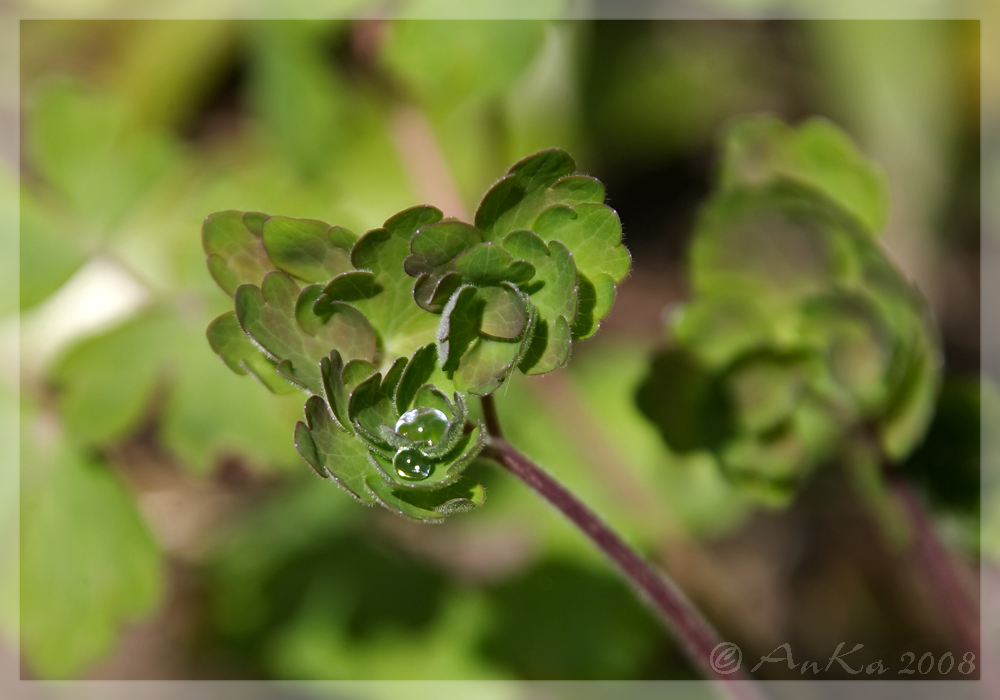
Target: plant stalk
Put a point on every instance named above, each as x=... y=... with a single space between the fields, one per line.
x=939 y=566
x=698 y=638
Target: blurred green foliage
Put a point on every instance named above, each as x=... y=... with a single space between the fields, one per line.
x=107 y=568
x=801 y=334
x=135 y=131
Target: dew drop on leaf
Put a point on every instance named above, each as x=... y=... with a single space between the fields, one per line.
x=412 y=464
x=422 y=425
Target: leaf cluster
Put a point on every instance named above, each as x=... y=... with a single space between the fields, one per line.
x=800 y=331
x=415 y=314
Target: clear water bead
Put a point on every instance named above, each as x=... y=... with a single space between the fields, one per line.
x=422 y=425
x=412 y=464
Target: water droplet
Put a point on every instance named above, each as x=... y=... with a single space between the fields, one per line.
x=412 y=464
x=423 y=425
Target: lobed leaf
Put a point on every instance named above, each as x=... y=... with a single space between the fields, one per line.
x=236 y=255
x=383 y=294
x=593 y=233
x=233 y=345
x=532 y=185
x=482 y=335
x=295 y=336
x=348 y=435
x=817 y=154
x=310 y=250
x=88 y=563
x=553 y=294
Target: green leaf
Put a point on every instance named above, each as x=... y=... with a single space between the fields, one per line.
x=47 y=257
x=351 y=436
x=370 y=405
x=425 y=505
x=88 y=149
x=504 y=312
x=311 y=250
x=450 y=253
x=235 y=249
x=454 y=60
x=817 y=154
x=687 y=402
x=553 y=293
x=280 y=319
x=344 y=439
x=421 y=370
x=532 y=185
x=402 y=326
x=296 y=95
x=210 y=415
x=486 y=365
x=105 y=383
x=234 y=346
x=488 y=264
x=780 y=245
x=482 y=336
x=453 y=461
x=593 y=234
x=433 y=250
x=764 y=387
x=88 y=562
x=332 y=451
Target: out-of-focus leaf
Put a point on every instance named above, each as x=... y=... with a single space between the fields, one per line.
x=210 y=414
x=88 y=563
x=105 y=382
x=720 y=328
x=686 y=402
x=910 y=407
x=85 y=147
x=817 y=154
x=857 y=345
x=764 y=389
x=302 y=590
x=538 y=629
x=782 y=244
x=48 y=256
x=802 y=319
x=297 y=94
x=454 y=60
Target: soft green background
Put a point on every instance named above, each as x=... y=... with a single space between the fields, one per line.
x=163 y=505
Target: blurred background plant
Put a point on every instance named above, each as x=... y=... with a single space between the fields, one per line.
x=169 y=529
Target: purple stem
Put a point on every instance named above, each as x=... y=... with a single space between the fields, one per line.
x=698 y=638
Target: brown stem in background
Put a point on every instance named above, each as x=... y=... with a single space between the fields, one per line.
x=938 y=566
x=697 y=637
